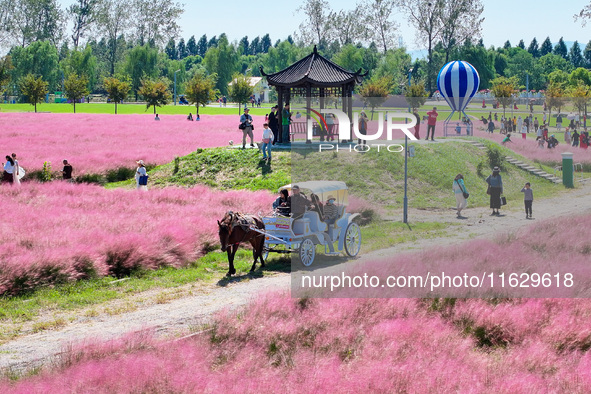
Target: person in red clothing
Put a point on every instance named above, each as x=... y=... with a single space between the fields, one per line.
x=431 y=122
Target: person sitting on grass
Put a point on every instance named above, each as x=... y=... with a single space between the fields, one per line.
x=552 y=142
x=190 y=117
x=157 y=117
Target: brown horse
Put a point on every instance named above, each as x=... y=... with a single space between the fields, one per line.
x=234 y=229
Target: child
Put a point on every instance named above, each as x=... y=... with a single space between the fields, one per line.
x=507 y=139
x=267 y=141
x=567 y=135
x=458 y=128
x=524 y=132
x=528 y=199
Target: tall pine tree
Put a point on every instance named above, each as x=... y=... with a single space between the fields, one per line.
x=546 y=47
x=507 y=45
x=560 y=49
x=533 y=48
x=192 y=46
x=202 y=46
x=521 y=44
x=587 y=55
x=575 y=55
x=182 y=49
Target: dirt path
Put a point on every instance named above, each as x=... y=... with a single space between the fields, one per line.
x=195 y=303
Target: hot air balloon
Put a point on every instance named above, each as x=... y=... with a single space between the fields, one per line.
x=458 y=82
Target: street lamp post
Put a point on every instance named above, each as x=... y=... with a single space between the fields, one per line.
x=405 y=213
x=175 y=86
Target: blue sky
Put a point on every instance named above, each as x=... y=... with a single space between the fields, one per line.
x=504 y=20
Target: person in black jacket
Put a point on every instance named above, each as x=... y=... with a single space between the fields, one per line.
x=274 y=125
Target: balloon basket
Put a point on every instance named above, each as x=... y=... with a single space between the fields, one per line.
x=458 y=128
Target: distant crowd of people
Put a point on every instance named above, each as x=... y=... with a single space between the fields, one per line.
x=531 y=124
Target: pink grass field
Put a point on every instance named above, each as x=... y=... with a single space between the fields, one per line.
x=94 y=143
x=529 y=147
x=60 y=231
x=282 y=344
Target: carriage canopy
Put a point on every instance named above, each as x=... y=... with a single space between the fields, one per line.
x=323 y=189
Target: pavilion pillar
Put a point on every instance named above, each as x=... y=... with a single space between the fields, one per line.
x=350 y=106
x=280 y=112
x=344 y=106
x=308 y=107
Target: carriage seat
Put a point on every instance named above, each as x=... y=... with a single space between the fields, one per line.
x=316 y=225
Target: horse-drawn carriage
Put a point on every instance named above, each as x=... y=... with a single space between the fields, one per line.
x=284 y=234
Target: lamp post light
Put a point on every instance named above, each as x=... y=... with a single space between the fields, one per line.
x=175 y=86
x=405 y=213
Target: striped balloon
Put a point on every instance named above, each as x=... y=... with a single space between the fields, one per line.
x=458 y=82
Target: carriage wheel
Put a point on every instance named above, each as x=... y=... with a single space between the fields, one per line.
x=352 y=239
x=307 y=252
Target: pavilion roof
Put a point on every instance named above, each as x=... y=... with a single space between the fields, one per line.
x=316 y=70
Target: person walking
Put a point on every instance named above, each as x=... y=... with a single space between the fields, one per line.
x=528 y=199
x=17 y=171
x=431 y=122
x=247 y=127
x=417 y=126
x=8 y=175
x=67 y=170
x=274 y=125
x=362 y=127
x=141 y=176
x=267 y=141
x=285 y=122
x=461 y=193
x=558 y=122
x=575 y=138
x=495 y=189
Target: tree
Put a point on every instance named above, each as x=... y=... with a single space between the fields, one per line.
x=141 y=64
x=555 y=96
x=348 y=27
x=213 y=42
x=39 y=58
x=33 y=88
x=579 y=94
x=155 y=93
x=222 y=60
x=113 y=17
x=83 y=14
x=244 y=45
x=350 y=58
x=266 y=43
x=316 y=27
x=255 y=46
x=507 y=45
x=381 y=27
x=82 y=63
x=587 y=54
x=240 y=90
x=202 y=46
x=560 y=49
x=375 y=91
x=521 y=44
x=533 y=48
x=182 y=49
x=575 y=56
x=580 y=76
x=117 y=90
x=76 y=87
x=461 y=19
x=546 y=47
x=416 y=95
x=5 y=69
x=192 y=46
x=200 y=89
x=154 y=21
x=426 y=18
x=171 y=50
x=503 y=90
x=28 y=21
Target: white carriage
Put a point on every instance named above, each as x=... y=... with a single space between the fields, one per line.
x=285 y=235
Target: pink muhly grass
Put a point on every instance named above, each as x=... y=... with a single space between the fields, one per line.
x=529 y=148
x=60 y=231
x=94 y=143
x=325 y=345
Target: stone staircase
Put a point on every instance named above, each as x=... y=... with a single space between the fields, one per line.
x=524 y=166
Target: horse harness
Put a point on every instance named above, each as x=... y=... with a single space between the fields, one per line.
x=246 y=222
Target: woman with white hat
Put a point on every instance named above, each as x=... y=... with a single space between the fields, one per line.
x=141 y=176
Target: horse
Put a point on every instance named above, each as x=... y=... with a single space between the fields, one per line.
x=235 y=228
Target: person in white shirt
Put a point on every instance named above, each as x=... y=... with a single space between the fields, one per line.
x=16 y=172
x=140 y=172
x=267 y=141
